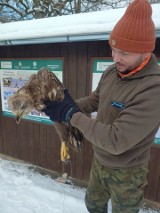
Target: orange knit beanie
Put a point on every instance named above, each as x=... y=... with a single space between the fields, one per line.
x=135 y=31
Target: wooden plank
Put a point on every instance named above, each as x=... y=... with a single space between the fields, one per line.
x=37 y=147
x=72 y=70
x=22 y=149
x=43 y=145
x=92 y=52
x=10 y=136
x=65 y=53
x=158 y=191
x=53 y=149
x=88 y=154
x=25 y=142
x=153 y=176
x=81 y=79
x=4 y=134
x=104 y=49
x=31 y=143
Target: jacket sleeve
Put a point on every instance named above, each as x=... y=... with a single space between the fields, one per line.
x=134 y=123
x=90 y=103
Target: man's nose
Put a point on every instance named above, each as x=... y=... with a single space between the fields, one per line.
x=116 y=57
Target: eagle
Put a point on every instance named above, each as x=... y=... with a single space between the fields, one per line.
x=41 y=86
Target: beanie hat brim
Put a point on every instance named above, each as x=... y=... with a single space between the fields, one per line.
x=129 y=45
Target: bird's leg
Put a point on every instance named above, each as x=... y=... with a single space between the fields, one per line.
x=64 y=152
x=63 y=134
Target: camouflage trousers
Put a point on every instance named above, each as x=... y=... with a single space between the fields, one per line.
x=124 y=186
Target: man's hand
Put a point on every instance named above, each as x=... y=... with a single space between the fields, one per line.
x=61 y=111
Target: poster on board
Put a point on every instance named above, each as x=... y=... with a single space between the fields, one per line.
x=15 y=73
x=99 y=65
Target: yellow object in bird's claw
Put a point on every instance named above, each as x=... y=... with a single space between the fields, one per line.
x=64 y=152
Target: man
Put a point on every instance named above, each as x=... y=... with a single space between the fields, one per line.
x=127 y=101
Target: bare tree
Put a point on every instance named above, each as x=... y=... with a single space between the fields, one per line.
x=154 y=1
x=82 y=6
x=30 y=9
x=13 y=10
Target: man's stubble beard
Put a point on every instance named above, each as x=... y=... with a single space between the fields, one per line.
x=137 y=63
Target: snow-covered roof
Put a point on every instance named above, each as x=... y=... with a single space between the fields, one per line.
x=77 y=27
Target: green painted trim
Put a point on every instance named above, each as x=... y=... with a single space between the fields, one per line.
x=157 y=141
x=31 y=64
x=31 y=118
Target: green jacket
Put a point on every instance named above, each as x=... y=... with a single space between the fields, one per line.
x=128 y=116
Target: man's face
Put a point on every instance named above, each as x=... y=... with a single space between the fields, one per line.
x=127 y=61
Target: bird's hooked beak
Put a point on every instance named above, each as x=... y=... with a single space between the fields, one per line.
x=18 y=117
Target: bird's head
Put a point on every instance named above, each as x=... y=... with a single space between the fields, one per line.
x=21 y=104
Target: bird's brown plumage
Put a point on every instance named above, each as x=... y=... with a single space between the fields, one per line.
x=42 y=86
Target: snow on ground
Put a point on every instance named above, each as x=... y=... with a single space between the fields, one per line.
x=23 y=190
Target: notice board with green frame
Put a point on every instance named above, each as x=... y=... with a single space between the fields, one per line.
x=15 y=73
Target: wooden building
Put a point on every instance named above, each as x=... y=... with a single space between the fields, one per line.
x=38 y=143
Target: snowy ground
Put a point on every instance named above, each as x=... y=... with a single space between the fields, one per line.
x=25 y=191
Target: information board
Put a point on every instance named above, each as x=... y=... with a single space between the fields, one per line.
x=98 y=67
x=15 y=73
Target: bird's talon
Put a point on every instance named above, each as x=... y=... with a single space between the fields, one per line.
x=64 y=152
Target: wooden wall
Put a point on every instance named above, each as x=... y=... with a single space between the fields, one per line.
x=152 y=191
x=38 y=143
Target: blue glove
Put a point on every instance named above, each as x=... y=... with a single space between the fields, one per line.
x=61 y=111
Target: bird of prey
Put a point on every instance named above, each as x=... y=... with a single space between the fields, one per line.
x=42 y=86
